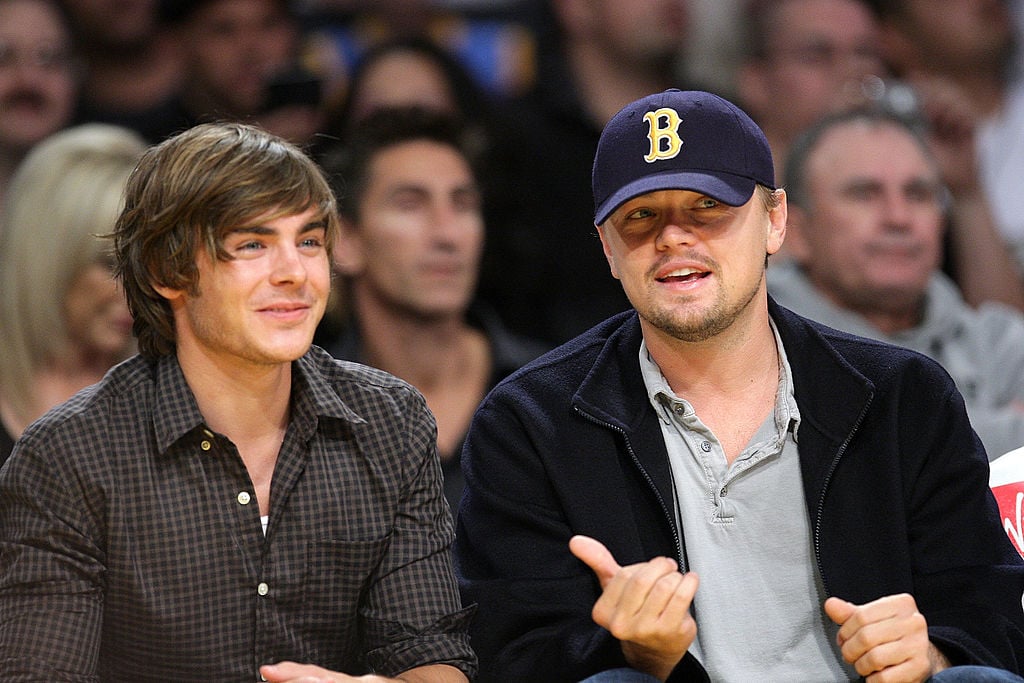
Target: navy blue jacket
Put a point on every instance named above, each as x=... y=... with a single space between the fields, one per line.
x=895 y=478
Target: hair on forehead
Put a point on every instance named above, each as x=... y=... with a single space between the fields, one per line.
x=230 y=173
x=187 y=193
x=809 y=141
x=349 y=163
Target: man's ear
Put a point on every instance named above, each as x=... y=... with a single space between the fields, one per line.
x=169 y=293
x=778 y=220
x=348 y=249
x=607 y=250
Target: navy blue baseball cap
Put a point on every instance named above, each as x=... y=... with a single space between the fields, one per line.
x=680 y=140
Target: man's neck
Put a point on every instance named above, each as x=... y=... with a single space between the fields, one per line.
x=248 y=403
x=429 y=353
x=723 y=367
x=731 y=380
x=904 y=310
x=241 y=400
x=893 y=322
x=445 y=358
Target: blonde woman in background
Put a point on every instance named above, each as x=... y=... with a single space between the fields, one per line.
x=63 y=319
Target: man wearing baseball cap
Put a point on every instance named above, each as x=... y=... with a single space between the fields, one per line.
x=711 y=487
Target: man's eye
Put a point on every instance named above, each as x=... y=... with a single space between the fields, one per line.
x=639 y=214
x=707 y=203
x=311 y=243
x=251 y=245
x=863 y=193
x=924 y=193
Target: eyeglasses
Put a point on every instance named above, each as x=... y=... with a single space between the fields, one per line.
x=46 y=57
x=822 y=55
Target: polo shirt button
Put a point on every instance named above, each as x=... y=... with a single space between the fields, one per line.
x=244 y=498
x=705 y=446
x=205 y=445
x=263 y=588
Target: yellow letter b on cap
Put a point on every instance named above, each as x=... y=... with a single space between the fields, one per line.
x=665 y=141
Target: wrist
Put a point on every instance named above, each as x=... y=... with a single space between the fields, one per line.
x=937 y=660
x=650 y=662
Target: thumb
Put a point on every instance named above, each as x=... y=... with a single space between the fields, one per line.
x=595 y=555
x=290 y=672
x=839 y=610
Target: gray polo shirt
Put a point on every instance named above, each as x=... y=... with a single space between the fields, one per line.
x=747 y=536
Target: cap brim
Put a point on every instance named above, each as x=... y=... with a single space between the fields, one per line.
x=727 y=188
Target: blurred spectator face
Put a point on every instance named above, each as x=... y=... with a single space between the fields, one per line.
x=98 y=321
x=232 y=48
x=37 y=84
x=114 y=24
x=403 y=79
x=963 y=33
x=871 y=235
x=644 y=33
x=417 y=246
x=817 y=55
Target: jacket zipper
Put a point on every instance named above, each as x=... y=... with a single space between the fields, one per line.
x=647 y=478
x=824 y=490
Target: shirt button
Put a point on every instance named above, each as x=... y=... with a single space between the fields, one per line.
x=205 y=445
x=705 y=446
x=679 y=409
x=263 y=588
x=244 y=498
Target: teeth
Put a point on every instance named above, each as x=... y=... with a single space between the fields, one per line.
x=682 y=272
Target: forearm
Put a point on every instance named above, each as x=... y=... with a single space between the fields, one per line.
x=43 y=634
x=51 y=587
x=985 y=268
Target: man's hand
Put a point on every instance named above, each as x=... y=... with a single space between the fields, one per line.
x=290 y=672
x=646 y=606
x=886 y=640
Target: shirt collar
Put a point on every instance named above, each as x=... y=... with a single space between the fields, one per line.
x=176 y=412
x=659 y=392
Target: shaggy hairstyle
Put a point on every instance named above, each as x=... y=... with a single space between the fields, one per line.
x=349 y=164
x=186 y=194
x=65 y=193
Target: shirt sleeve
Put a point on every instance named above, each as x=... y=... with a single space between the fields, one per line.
x=51 y=570
x=535 y=598
x=967 y=577
x=413 y=614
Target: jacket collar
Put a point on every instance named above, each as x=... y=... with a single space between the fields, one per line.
x=832 y=394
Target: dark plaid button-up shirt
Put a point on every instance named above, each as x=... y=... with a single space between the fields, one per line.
x=131 y=547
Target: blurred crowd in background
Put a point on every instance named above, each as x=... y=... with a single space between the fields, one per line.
x=533 y=82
